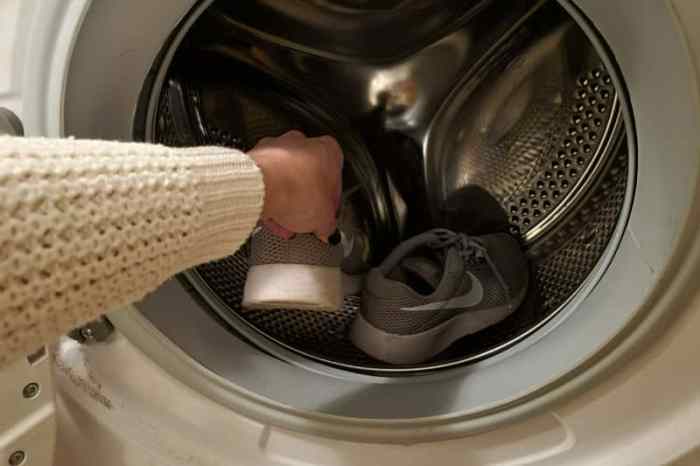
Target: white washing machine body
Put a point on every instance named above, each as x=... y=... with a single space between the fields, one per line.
x=631 y=398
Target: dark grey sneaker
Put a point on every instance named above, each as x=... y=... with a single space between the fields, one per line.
x=436 y=288
x=299 y=273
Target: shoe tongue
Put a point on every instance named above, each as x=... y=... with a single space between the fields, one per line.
x=423 y=268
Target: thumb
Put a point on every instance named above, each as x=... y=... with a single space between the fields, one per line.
x=277 y=229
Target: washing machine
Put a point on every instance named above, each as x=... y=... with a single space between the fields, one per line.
x=577 y=122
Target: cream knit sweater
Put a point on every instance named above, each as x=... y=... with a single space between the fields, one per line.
x=88 y=226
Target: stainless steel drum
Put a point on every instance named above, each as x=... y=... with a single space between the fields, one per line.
x=492 y=120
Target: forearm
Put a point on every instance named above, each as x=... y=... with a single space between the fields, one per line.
x=87 y=226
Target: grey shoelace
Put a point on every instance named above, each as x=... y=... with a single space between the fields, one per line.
x=470 y=249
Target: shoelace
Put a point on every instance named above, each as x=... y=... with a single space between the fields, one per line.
x=470 y=249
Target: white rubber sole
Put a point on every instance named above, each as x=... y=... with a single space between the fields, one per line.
x=293 y=286
x=419 y=347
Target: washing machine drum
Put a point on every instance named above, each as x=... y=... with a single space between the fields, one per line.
x=489 y=121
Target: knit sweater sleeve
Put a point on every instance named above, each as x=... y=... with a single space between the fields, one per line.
x=88 y=226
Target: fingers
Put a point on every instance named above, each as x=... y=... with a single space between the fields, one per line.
x=306 y=191
x=327 y=223
x=338 y=193
x=286 y=138
x=335 y=153
x=292 y=136
x=332 y=148
x=277 y=229
x=264 y=142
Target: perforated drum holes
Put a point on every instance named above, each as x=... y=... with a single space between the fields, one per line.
x=561 y=165
x=589 y=114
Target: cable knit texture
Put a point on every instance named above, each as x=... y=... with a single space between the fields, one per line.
x=88 y=226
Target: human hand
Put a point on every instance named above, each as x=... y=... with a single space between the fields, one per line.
x=303 y=183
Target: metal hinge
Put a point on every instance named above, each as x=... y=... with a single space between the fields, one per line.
x=95 y=331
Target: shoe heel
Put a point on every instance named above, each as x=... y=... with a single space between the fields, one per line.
x=293 y=286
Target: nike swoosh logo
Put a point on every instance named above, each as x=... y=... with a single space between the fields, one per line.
x=474 y=297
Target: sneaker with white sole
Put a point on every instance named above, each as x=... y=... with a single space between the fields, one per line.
x=306 y=269
x=436 y=288
x=302 y=272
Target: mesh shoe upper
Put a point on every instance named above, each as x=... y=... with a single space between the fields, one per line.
x=494 y=264
x=305 y=249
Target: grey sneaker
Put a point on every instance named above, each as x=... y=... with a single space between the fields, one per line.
x=436 y=288
x=299 y=273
